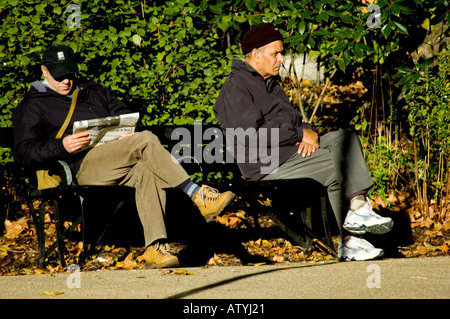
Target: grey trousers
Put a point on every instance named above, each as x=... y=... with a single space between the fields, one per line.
x=139 y=161
x=338 y=164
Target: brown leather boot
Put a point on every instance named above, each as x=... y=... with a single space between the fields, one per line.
x=159 y=256
x=210 y=202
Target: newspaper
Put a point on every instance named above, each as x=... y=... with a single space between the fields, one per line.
x=106 y=129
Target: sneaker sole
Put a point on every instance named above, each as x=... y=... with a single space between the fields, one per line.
x=225 y=203
x=347 y=258
x=374 y=229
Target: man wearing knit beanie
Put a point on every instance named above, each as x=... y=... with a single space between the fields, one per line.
x=256 y=40
x=252 y=100
x=260 y=35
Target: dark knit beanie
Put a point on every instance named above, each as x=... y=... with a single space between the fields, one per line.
x=260 y=35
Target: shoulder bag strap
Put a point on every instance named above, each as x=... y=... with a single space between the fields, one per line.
x=69 y=115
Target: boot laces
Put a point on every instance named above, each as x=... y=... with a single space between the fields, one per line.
x=207 y=193
x=164 y=249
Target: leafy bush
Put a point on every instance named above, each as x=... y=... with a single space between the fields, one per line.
x=168 y=59
x=429 y=113
x=162 y=57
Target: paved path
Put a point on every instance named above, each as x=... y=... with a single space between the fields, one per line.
x=424 y=278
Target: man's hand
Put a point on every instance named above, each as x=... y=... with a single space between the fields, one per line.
x=74 y=142
x=309 y=143
x=127 y=135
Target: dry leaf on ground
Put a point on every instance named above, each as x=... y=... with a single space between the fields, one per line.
x=127 y=263
x=14 y=228
x=51 y=292
x=177 y=271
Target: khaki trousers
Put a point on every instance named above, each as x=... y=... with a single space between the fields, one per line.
x=138 y=161
x=338 y=164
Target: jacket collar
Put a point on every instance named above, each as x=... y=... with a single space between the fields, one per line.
x=269 y=83
x=40 y=88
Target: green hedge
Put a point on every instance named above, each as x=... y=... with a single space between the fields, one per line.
x=162 y=58
x=169 y=58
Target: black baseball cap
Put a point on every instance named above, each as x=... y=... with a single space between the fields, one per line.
x=60 y=60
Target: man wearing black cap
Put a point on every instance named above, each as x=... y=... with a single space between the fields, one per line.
x=59 y=62
x=137 y=160
x=252 y=100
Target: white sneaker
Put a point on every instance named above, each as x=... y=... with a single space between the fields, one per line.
x=353 y=248
x=365 y=220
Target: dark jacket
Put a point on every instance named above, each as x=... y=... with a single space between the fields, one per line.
x=249 y=102
x=41 y=113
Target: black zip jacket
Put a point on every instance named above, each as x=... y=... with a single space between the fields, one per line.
x=249 y=102
x=41 y=113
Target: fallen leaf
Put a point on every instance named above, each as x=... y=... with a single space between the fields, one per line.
x=222 y=220
x=266 y=243
x=256 y=264
x=47 y=218
x=178 y=272
x=51 y=229
x=233 y=221
x=3 y=251
x=278 y=259
x=432 y=247
x=119 y=250
x=241 y=214
x=38 y=271
x=427 y=222
x=424 y=250
x=36 y=204
x=51 y=292
x=267 y=202
x=438 y=226
x=416 y=277
x=392 y=198
x=127 y=263
x=447 y=225
x=213 y=260
x=14 y=228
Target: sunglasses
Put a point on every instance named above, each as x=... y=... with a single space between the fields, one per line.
x=70 y=76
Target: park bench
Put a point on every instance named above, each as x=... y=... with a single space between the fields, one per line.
x=68 y=196
x=288 y=203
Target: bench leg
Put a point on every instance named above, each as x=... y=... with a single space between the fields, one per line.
x=307 y=221
x=326 y=225
x=38 y=219
x=83 y=255
x=87 y=247
x=59 y=234
x=286 y=229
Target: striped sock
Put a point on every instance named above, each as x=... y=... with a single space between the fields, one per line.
x=189 y=188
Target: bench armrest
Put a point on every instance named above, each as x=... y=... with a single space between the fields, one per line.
x=67 y=172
